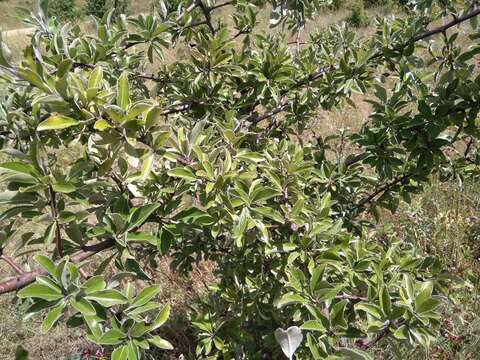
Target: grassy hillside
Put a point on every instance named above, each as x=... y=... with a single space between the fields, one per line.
x=9 y=21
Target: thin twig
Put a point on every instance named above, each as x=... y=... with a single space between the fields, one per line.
x=187 y=11
x=351 y=297
x=29 y=277
x=218 y=6
x=12 y=264
x=208 y=17
x=53 y=207
x=380 y=190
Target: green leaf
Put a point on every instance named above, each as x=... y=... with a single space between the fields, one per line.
x=143 y=237
x=270 y=213
x=160 y=343
x=96 y=78
x=120 y=353
x=140 y=215
x=46 y=264
x=65 y=188
x=94 y=284
x=5 y=54
x=139 y=329
x=133 y=351
x=53 y=316
x=337 y=314
x=123 y=92
x=385 y=301
x=313 y=325
x=142 y=309
x=41 y=292
x=33 y=78
x=401 y=333
x=371 y=309
x=162 y=317
x=182 y=172
x=289 y=299
x=101 y=125
x=111 y=337
x=18 y=167
x=15 y=197
x=57 y=122
x=160 y=139
x=316 y=276
x=424 y=295
x=152 y=117
x=107 y=298
x=427 y=305
x=240 y=227
x=83 y=306
x=94 y=325
x=147 y=164
x=354 y=354
x=21 y=353
x=250 y=157
x=50 y=233
x=145 y=296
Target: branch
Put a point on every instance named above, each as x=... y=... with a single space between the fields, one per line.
x=369 y=344
x=351 y=297
x=188 y=10
x=53 y=207
x=214 y=7
x=123 y=189
x=383 y=333
x=469 y=146
x=314 y=76
x=29 y=277
x=255 y=119
x=12 y=264
x=456 y=21
x=208 y=17
x=381 y=190
x=179 y=108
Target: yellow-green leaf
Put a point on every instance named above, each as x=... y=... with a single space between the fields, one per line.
x=101 y=125
x=182 y=172
x=57 y=122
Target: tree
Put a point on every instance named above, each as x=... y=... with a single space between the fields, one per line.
x=205 y=159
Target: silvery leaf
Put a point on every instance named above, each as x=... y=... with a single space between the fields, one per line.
x=289 y=340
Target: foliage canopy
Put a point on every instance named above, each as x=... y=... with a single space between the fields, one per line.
x=207 y=159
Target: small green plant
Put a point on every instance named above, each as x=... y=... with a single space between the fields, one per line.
x=120 y=6
x=123 y=319
x=357 y=17
x=337 y=4
x=374 y=3
x=95 y=7
x=99 y=8
x=63 y=9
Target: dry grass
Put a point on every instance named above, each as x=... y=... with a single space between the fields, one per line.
x=8 y=19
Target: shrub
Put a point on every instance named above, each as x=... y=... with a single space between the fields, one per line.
x=358 y=17
x=98 y=8
x=337 y=4
x=95 y=7
x=63 y=9
x=373 y=3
